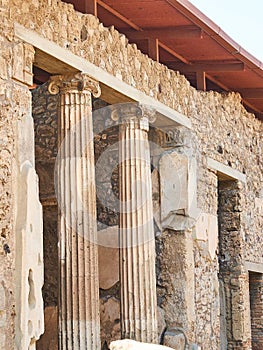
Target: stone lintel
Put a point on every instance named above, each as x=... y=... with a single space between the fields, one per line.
x=254 y=267
x=71 y=62
x=225 y=171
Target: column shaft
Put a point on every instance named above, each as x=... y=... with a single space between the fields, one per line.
x=79 y=325
x=137 y=242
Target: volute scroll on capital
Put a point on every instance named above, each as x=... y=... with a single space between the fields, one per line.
x=73 y=81
x=132 y=111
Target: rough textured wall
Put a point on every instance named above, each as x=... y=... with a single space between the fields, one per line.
x=106 y=136
x=44 y=111
x=206 y=267
x=225 y=132
x=7 y=239
x=8 y=115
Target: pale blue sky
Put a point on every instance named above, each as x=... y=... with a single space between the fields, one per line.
x=242 y=20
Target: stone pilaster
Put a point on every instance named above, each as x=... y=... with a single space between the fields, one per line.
x=27 y=261
x=233 y=276
x=137 y=241
x=79 y=325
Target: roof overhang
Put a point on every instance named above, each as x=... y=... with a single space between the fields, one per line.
x=177 y=34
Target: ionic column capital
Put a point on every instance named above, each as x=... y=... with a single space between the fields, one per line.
x=74 y=82
x=133 y=114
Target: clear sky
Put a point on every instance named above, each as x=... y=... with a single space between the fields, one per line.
x=242 y=20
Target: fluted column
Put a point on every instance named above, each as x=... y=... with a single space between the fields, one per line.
x=79 y=325
x=137 y=242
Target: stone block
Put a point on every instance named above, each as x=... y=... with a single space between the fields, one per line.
x=3 y=68
x=259 y=205
x=201 y=227
x=212 y=235
x=108 y=257
x=156 y=197
x=2 y=307
x=25 y=132
x=108 y=267
x=23 y=57
x=110 y=319
x=178 y=190
x=127 y=344
x=160 y=322
x=206 y=229
x=173 y=181
x=29 y=53
x=2 y=341
x=49 y=340
x=174 y=339
x=108 y=237
x=18 y=62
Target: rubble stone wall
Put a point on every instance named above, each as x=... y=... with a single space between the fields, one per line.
x=44 y=111
x=10 y=110
x=7 y=238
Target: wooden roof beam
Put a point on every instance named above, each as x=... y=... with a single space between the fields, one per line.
x=180 y=32
x=252 y=93
x=173 y=53
x=153 y=49
x=118 y=15
x=217 y=82
x=84 y=6
x=206 y=66
x=201 y=81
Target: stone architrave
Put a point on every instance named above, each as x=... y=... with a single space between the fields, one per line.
x=79 y=322
x=136 y=234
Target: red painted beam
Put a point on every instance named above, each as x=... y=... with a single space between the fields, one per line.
x=84 y=6
x=252 y=93
x=207 y=66
x=180 y=32
x=153 y=49
x=201 y=81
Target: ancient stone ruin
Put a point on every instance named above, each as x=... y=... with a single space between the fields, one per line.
x=131 y=188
